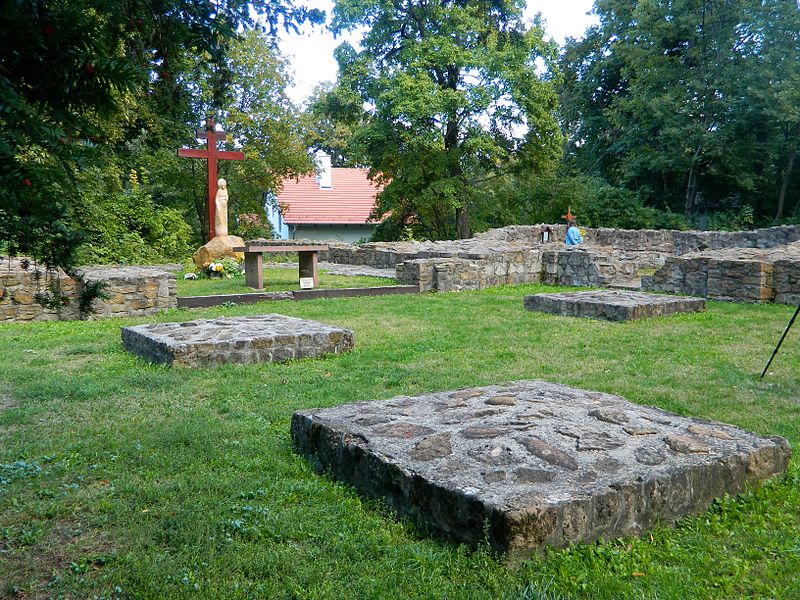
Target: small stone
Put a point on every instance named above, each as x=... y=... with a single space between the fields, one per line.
x=473 y=433
x=402 y=430
x=370 y=421
x=436 y=446
x=484 y=413
x=502 y=401
x=630 y=430
x=493 y=455
x=494 y=476
x=598 y=440
x=569 y=432
x=686 y=444
x=710 y=432
x=526 y=475
x=609 y=415
x=607 y=465
x=453 y=403
x=465 y=394
x=549 y=454
x=650 y=456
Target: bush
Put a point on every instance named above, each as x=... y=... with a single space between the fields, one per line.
x=545 y=198
x=251 y=226
x=126 y=226
x=735 y=219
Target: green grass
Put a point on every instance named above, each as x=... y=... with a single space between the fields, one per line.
x=275 y=280
x=127 y=480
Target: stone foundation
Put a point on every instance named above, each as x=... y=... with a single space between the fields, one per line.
x=613 y=305
x=530 y=463
x=131 y=291
x=235 y=340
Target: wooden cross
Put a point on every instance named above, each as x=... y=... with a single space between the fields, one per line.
x=211 y=155
x=569 y=216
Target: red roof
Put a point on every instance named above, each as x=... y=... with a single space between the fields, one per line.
x=349 y=200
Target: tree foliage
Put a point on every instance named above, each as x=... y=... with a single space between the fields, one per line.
x=692 y=104
x=81 y=80
x=455 y=101
x=332 y=115
x=260 y=119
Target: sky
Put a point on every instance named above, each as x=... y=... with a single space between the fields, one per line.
x=311 y=53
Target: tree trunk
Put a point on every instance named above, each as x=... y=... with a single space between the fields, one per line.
x=462 y=222
x=787 y=173
x=201 y=207
x=691 y=184
x=451 y=144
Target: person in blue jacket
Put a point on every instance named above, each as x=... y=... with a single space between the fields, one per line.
x=573 y=234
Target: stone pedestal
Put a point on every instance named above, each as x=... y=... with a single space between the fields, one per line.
x=613 y=305
x=530 y=463
x=228 y=340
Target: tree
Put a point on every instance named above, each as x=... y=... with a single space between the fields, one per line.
x=68 y=71
x=688 y=103
x=455 y=101
x=330 y=120
x=260 y=119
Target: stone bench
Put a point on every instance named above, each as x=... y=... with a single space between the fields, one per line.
x=253 y=261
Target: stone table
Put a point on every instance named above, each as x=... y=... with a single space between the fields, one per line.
x=226 y=340
x=613 y=305
x=532 y=463
x=253 y=262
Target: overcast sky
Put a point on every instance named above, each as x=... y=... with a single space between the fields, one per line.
x=311 y=52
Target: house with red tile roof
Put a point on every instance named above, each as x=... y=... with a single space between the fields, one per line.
x=334 y=204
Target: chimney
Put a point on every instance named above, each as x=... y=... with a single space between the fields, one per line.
x=324 y=170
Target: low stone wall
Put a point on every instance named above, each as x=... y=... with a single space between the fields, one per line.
x=612 y=305
x=584 y=266
x=455 y=274
x=132 y=291
x=527 y=464
x=742 y=274
x=235 y=340
x=786 y=281
x=654 y=241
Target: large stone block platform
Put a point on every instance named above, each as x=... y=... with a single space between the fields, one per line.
x=227 y=340
x=531 y=463
x=613 y=305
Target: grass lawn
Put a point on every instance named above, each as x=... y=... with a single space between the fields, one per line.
x=126 y=480
x=275 y=280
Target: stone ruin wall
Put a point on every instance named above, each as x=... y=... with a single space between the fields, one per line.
x=132 y=291
x=742 y=274
x=515 y=254
x=455 y=274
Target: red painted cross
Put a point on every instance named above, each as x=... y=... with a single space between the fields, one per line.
x=569 y=216
x=211 y=155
